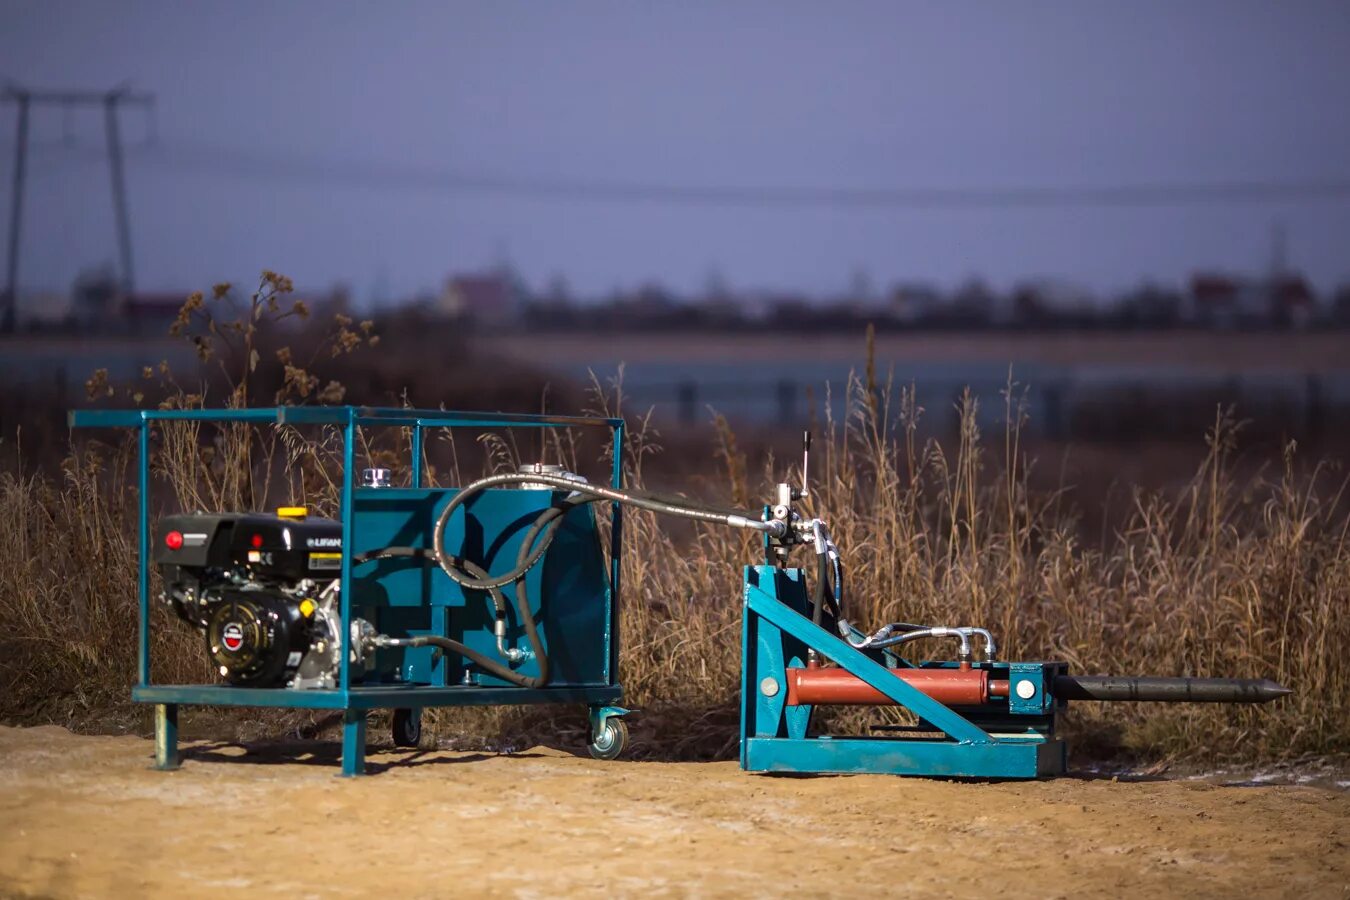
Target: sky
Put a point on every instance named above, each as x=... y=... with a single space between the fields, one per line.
x=370 y=144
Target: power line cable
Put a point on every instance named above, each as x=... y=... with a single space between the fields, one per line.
x=251 y=164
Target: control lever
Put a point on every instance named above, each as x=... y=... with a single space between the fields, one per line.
x=805 y=490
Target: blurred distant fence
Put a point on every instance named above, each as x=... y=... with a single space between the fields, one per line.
x=1084 y=402
x=1092 y=404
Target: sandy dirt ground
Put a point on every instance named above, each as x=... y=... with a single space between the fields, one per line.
x=86 y=816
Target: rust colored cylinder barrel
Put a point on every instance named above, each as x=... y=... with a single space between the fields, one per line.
x=839 y=687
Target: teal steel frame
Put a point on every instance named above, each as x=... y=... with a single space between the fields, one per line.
x=355 y=701
x=1013 y=738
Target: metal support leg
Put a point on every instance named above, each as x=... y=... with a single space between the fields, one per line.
x=166 y=736
x=354 y=742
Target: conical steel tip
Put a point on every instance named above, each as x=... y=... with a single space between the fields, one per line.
x=1271 y=690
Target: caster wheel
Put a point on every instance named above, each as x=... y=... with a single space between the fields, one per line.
x=611 y=740
x=407 y=727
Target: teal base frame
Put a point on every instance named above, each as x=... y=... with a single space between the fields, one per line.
x=930 y=758
x=355 y=708
x=1006 y=738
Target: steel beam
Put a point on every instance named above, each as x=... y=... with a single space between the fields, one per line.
x=374 y=696
x=1001 y=759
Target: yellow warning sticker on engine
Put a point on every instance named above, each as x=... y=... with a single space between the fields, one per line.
x=325 y=560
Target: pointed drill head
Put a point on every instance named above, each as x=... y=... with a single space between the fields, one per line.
x=1168 y=690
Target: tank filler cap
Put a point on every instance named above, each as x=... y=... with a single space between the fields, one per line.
x=376 y=478
x=550 y=470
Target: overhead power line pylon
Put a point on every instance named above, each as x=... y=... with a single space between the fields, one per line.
x=110 y=101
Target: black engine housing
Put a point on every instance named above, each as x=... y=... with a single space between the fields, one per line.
x=270 y=548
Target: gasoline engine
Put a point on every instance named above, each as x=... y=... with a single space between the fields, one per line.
x=262 y=590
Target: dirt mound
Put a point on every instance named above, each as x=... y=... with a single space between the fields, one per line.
x=87 y=816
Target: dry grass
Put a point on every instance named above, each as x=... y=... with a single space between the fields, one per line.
x=1228 y=577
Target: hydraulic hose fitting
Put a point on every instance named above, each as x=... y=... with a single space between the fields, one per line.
x=990 y=648
x=961 y=634
x=512 y=654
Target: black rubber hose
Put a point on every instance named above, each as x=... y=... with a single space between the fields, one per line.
x=548 y=523
x=837 y=596
x=829 y=592
x=822 y=586
x=543 y=529
x=487 y=664
x=498 y=601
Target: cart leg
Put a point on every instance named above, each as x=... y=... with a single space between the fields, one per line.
x=354 y=742
x=166 y=736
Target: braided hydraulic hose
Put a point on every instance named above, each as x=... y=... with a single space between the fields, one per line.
x=829 y=568
x=596 y=492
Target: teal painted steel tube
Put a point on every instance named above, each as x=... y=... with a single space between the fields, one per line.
x=392 y=697
x=1004 y=759
x=229 y=695
x=312 y=415
x=332 y=415
x=103 y=418
x=749 y=663
x=143 y=565
x=417 y=455
x=372 y=696
x=353 y=742
x=345 y=590
x=262 y=414
x=446 y=417
x=615 y=545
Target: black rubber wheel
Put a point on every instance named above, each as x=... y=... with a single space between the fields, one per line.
x=407 y=727
x=611 y=741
